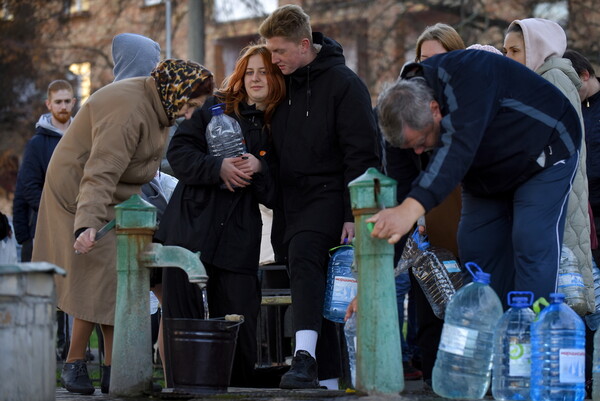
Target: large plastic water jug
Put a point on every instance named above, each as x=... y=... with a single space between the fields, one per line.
x=341 y=283
x=464 y=359
x=557 y=353
x=223 y=134
x=512 y=349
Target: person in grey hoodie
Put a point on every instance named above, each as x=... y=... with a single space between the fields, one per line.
x=540 y=44
x=30 y=180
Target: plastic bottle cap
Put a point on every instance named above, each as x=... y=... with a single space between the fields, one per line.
x=217 y=109
x=519 y=299
x=557 y=297
x=481 y=277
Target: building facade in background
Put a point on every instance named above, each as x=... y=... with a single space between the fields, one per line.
x=72 y=38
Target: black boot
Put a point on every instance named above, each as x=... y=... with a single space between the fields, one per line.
x=302 y=373
x=105 y=379
x=75 y=378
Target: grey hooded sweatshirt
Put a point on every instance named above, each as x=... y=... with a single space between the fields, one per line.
x=134 y=55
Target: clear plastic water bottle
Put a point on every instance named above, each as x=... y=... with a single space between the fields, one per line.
x=341 y=283
x=570 y=281
x=464 y=359
x=223 y=134
x=511 y=367
x=596 y=367
x=435 y=269
x=557 y=353
x=596 y=275
x=350 y=333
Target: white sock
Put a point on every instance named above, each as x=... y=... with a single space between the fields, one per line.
x=331 y=384
x=307 y=341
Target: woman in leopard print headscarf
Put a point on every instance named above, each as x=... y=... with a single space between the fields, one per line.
x=178 y=81
x=113 y=146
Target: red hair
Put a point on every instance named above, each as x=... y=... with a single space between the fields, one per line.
x=233 y=90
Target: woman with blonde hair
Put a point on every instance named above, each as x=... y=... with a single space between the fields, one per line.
x=437 y=39
x=223 y=222
x=404 y=165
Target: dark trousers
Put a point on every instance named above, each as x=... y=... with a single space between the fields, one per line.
x=517 y=238
x=429 y=329
x=26 y=250
x=228 y=293
x=308 y=255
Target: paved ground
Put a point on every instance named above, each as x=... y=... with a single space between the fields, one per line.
x=412 y=390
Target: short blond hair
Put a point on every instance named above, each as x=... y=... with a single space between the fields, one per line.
x=289 y=21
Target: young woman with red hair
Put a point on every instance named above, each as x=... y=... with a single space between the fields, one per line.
x=223 y=222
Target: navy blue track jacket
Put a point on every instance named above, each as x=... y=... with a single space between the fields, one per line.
x=498 y=118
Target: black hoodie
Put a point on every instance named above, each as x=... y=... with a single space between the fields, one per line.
x=325 y=136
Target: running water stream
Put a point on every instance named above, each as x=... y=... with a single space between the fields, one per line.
x=205 y=302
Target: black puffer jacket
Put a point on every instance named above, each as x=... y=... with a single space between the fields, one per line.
x=324 y=136
x=224 y=226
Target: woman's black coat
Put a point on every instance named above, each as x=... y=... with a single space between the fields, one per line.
x=226 y=227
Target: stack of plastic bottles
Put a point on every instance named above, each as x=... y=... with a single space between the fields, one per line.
x=435 y=269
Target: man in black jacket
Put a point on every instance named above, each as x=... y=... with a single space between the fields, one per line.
x=30 y=180
x=324 y=136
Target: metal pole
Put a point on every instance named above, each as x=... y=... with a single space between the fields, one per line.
x=378 y=351
x=131 y=373
x=168 y=28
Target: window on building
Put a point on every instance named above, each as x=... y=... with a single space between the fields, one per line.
x=79 y=6
x=84 y=83
x=5 y=14
x=557 y=11
x=233 y=10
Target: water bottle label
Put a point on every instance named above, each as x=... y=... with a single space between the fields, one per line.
x=570 y=279
x=344 y=289
x=519 y=362
x=451 y=266
x=455 y=339
x=572 y=365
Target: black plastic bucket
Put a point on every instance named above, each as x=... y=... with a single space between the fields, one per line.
x=200 y=354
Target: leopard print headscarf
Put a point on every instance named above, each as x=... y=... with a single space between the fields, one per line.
x=176 y=80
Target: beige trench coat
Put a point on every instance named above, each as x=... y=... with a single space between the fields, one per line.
x=113 y=146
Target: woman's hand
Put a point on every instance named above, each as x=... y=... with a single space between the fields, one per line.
x=249 y=164
x=347 y=233
x=233 y=176
x=85 y=242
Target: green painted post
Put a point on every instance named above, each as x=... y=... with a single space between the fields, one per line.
x=131 y=372
x=378 y=352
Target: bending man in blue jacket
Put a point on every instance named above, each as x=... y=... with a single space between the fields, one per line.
x=492 y=128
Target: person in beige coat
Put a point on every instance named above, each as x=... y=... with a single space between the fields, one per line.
x=113 y=146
